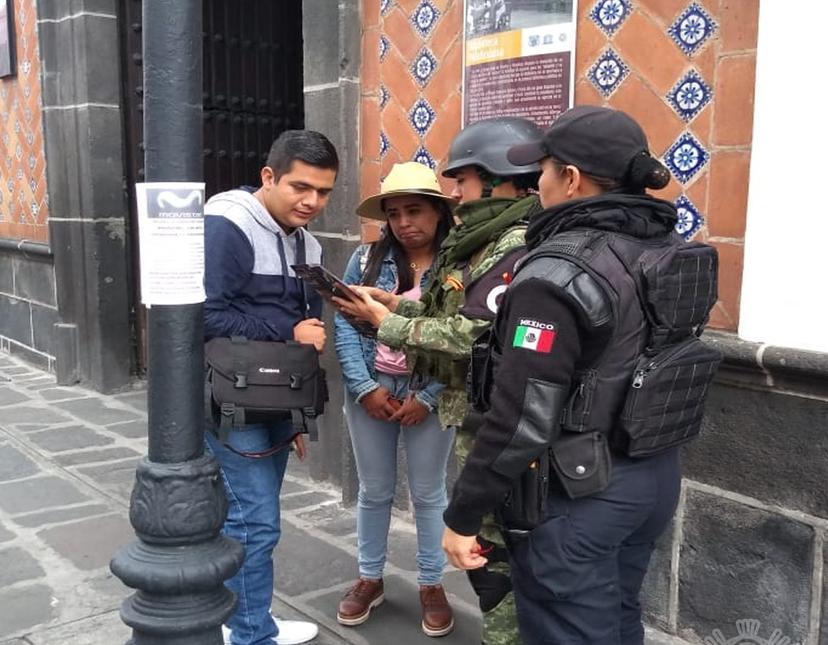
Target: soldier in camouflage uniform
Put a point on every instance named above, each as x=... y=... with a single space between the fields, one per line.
x=470 y=273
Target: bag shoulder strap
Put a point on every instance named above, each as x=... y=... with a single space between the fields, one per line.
x=301 y=257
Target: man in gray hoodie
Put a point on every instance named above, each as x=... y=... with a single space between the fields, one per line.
x=251 y=239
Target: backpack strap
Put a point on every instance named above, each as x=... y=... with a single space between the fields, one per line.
x=658 y=335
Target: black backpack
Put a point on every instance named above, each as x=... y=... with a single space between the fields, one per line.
x=665 y=401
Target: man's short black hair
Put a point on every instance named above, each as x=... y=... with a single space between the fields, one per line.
x=309 y=146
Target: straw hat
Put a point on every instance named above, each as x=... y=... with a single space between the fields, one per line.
x=409 y=178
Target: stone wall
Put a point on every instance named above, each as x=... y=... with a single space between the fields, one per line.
x=747 y=542
x=83 y=134
x=331 y=80
x=28 y=303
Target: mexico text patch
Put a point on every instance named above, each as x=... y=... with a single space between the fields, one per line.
x=534 y=335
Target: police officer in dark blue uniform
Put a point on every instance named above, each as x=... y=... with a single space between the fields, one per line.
x=591 y=377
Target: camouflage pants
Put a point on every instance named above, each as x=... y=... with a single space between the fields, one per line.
x=500 y=625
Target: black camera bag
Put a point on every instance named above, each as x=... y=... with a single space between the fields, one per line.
x=251 y=381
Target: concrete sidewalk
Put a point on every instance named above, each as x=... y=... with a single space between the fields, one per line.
x=67 y=461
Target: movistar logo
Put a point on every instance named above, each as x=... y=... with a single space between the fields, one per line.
x=169 y=198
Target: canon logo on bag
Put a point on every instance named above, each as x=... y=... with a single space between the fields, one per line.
x=270 y=370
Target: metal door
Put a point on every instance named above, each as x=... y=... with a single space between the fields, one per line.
x=253 y=91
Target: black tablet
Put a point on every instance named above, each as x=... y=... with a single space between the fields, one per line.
x=329 y=285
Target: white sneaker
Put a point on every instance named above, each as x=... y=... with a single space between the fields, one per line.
x=291 y=632
x=294 y=632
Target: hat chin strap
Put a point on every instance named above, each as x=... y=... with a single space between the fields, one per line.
x=489 y=182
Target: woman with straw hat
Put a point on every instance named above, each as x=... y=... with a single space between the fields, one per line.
x=379 y=406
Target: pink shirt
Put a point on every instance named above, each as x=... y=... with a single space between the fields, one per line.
x=392 y=361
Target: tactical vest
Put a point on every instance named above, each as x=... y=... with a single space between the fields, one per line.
x=493 y=220
x=643 y=377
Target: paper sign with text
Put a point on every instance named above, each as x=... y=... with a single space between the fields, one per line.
x=171 y=236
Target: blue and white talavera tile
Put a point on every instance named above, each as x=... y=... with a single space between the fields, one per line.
x=424 y=17
x=384 y=95
x=690 y=220
x=385 y=5
x=423 y=67
x=383 y=148
x=421 y=116
x=690 y=95
x=383 y=47
x=692 y=28
x=686 y=157
x=609 y=15
x=608 y=72
x=424 y=157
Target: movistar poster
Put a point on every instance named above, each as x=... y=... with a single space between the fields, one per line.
x=519 y=59
x=171 y=238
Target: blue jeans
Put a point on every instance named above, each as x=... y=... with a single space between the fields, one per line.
x=252 y=487
x=427 y=448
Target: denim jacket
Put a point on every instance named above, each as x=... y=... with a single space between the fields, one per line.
x=356 y=353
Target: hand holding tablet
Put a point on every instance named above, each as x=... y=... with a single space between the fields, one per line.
x=328 y=285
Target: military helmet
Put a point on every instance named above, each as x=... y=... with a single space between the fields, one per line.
x=485 y=144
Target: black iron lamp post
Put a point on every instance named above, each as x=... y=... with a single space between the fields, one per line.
x=180 y=560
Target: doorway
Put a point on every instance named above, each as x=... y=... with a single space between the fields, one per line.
x=253 y=91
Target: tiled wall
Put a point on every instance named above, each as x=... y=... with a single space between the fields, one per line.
x=23 y=200
x=684 y=69
x=411 y=75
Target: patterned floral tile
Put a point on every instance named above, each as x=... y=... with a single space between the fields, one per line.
x=637 y=56
x=424 y=17
x=690 y=95
x=692 y=28
x=424 y=157
x=686 y=157
x=609 y=15
x=690 y=220
x=24 y=204
x=424 y=67
x=383 y=47
x=383 y=147
x=421 y=117
x=608 y=72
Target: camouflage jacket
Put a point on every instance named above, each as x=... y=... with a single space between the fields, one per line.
x=436 y=336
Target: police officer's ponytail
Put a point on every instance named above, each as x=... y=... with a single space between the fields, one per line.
x=646 y=171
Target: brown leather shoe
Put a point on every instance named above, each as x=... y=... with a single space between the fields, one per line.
x=357 y=603
x=438 y=619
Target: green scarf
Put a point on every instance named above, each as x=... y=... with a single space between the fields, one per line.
x=482 y=222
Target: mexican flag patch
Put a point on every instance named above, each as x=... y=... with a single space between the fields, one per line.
x=535 y=336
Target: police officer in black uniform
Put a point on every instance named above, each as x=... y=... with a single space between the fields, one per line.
x=592 y=375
